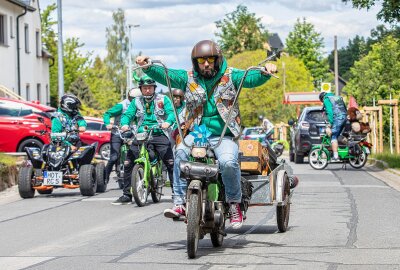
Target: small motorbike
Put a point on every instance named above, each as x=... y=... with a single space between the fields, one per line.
x=147 y=175
x=206 y=208
x=57 y=166
x=355 y=151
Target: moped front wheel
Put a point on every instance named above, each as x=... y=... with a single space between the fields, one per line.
x=318 y=159
x=359 y=161
x=193 y=224
x=139 y=189
x=157 y=186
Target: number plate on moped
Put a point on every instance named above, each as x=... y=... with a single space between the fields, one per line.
x=52 y=178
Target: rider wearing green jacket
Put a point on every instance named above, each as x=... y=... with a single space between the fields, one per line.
x=337 y=114
x=148 y=110
x=210 y=89
x=68 y=118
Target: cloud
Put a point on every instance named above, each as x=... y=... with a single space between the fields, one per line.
x=169 y=28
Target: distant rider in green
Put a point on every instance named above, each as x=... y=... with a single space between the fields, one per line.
x=149 y=110
x=68 y=118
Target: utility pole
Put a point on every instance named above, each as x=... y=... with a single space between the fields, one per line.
x=60 y=53
x=336 y=67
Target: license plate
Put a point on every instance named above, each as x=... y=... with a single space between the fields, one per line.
x=367 y=150
x=321 y=130
x=52 y=178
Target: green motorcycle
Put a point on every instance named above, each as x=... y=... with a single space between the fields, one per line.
x=147 y=176
x=355 y=152
x=126 y=138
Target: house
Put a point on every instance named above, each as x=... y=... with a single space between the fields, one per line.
x=24 y=68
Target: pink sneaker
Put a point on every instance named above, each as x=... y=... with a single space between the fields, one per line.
x=175 y=212
x=236 y=216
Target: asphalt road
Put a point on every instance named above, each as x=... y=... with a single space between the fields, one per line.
x=340 y=219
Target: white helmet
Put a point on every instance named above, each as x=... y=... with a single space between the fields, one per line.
x=134 y=92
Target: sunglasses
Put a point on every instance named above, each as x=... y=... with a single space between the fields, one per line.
x=202 y=60
x=176 y=96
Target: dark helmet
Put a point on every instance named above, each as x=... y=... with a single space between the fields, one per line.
x=146 y=80
x=69 y=103
x=207 y=48
x=321 y=96
x=178 y=92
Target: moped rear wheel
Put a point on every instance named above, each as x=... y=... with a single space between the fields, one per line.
x=193 y=224
x=217 y=237
x=359 y=161
x=318 y=159
x=283 y=211
x=139 y=190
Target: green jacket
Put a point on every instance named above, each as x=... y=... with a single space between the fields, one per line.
x=211 y=117
x=116 y=111
x=334 y=107
x=149 y=117
x=62 y=122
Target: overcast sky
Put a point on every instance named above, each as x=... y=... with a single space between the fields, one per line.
x=169 y=28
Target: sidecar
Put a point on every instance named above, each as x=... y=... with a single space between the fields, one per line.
x=268 y=177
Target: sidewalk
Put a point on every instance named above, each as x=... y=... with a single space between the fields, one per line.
x=380 y=170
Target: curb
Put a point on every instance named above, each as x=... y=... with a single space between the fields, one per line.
x=382 y=164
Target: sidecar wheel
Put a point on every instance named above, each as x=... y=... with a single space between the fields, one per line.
x=283 y=211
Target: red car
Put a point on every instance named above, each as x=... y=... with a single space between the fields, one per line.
x=20 y=126
x=96 y=132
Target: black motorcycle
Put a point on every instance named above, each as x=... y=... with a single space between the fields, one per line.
x=57 y=166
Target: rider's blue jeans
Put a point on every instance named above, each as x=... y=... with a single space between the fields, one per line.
x=227 y=154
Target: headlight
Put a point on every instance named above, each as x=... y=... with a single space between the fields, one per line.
x=199 y=152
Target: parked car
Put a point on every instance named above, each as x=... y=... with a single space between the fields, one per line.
x=253 y=133
x=20 y=126
x=305 y=132
x=96 y=131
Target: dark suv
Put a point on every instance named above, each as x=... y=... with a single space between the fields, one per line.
x=306 y=132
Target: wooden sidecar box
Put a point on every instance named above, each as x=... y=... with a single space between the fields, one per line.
x=251 y=156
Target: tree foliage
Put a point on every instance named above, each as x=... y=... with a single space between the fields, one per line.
x=306 y=43
x=389 y=13
x=267 y=99
x=241 y=31
x=377 y=74
x=117 y=51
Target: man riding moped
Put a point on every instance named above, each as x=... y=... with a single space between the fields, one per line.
x=337 y=114
x=210 y=89
x=115 y=141
x=148 y=110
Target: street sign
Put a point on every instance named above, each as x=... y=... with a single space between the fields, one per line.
x=326 y=87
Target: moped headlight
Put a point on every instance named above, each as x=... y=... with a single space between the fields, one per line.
x=199 y=152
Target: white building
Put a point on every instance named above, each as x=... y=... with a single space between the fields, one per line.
x=24 y=65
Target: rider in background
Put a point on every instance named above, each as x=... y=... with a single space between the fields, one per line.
x=148 y=110
x=268 y=128
x=68 y=118
x=210 y=89
x=178 y=97
x=337 y=113
x=115 y=141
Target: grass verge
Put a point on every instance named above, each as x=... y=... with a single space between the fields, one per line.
x=393 y=160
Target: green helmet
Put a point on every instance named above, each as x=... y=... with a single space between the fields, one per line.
x=146 y=80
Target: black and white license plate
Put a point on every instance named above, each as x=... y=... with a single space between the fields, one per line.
x=52 y=178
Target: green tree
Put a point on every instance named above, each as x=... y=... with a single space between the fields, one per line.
x=81 y=90
x=267 y=99
x=389 y=13
x=101 y=86
x=117 y=51
x=377 y=74
x=306 y=43
x=241 y=31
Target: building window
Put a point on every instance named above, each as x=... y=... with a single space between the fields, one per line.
x=11 y=27
x=28 y=92
x=38 y=47
x=3 y=30
x=26 y=38
x=38 y=89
